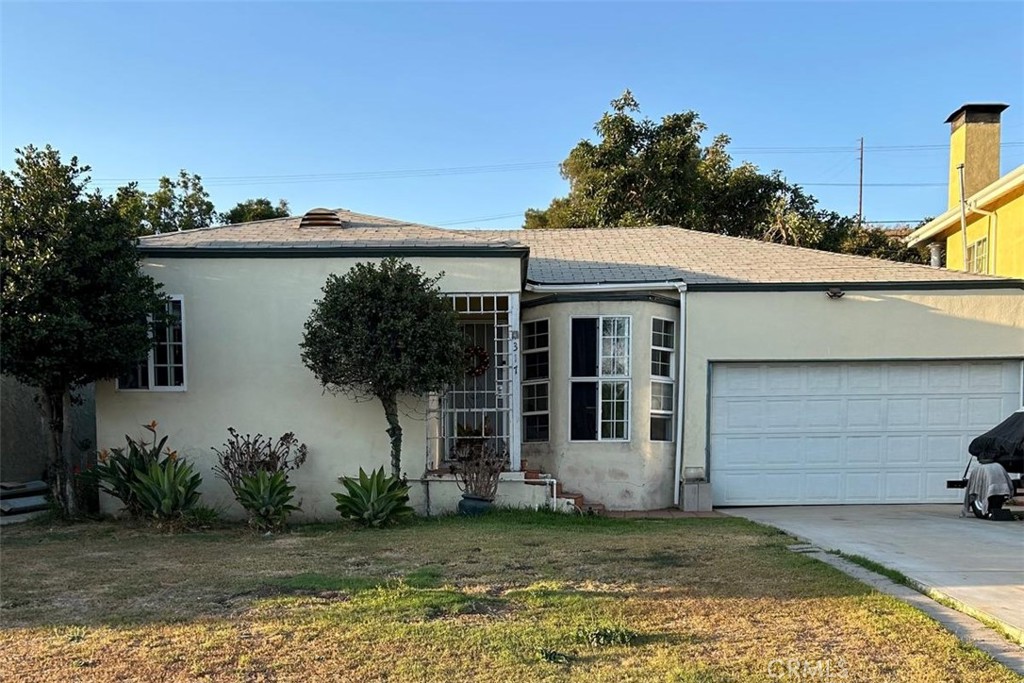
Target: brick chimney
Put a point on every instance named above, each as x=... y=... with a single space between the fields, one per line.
x=973 y=142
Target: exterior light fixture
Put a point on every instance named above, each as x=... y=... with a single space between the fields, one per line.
x=835 y=293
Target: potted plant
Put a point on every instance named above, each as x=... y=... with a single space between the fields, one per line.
x=477 y=465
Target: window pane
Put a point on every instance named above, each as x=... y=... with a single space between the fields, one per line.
x=535 y=398
x=535 y=335
x=661 y=396
x=584 y=347
x=661 y=428
x=536 y=365
x=663 y=333
x=177 y=376
x=161 y=376
x=583 y=411
x=535 y=428
x=661 y=363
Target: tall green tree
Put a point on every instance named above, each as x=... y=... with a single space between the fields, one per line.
x=382 y=331
x=255 y=210
x=645 y=172
x=181 y=203
x=75 y=302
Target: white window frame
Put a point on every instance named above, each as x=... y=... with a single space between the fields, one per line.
x=533 y=382
x=662 y=379
x=602 y=379
x=975 y=263
x=150 y=358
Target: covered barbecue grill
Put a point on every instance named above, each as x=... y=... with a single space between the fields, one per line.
x=988 y=488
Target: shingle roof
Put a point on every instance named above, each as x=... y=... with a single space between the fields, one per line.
x=663 y=253
x=357 y=231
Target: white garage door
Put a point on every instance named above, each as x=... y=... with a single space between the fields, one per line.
x=857 y=432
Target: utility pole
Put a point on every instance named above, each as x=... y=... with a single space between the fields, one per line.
x=860 y=186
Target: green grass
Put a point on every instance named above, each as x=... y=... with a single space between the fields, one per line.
x=509 y=596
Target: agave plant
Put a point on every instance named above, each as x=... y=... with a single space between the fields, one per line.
x=167 y=489
x=374 y=499
x=267 y=498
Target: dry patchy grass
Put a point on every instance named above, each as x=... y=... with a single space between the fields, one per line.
x=510 y=596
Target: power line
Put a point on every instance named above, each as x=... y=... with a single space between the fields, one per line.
x=287 y=179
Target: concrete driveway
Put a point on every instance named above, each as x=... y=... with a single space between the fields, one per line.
x=976 y=562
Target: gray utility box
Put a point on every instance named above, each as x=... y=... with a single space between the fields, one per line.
x=697 y=496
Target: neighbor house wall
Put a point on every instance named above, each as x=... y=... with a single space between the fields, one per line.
x=633 y=475
x=243 y=323
x=862 y=325
x=1005 y=232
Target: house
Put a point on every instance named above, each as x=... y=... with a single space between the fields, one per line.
x=982 y=230
x=637 y=367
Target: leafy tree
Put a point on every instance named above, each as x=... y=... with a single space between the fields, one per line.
x=180 y=204
x=884 y=243
x=255 y=210
x=645 y=172
x=75 y=302
x=381 y=331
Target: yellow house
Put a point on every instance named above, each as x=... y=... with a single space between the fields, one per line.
x=982 y=230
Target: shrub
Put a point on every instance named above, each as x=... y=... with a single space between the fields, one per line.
x=267 y=498
x=244 y=456
x=201 y=516
x=374 y=499
x=477 y=466
x=257 y=470
x=168 y=489
x=117 y=470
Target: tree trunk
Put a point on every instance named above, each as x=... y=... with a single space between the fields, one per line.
x=394 y=430
x=57 y=411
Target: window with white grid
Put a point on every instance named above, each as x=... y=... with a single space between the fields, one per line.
x=163 y=369
x=536 y=375
x=977 y=256
x=663 y=345
x=600 y=383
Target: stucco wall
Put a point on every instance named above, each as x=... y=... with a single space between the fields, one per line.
x=243 y=324
x=890 y=325
x=633 y=475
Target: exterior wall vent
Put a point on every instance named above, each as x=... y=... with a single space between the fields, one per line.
x=320 y=218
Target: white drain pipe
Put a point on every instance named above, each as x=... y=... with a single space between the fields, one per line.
x=680 y=393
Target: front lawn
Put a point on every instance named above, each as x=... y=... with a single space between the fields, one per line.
x=510 y=597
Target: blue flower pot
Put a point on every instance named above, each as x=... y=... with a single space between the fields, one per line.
x=472 y=506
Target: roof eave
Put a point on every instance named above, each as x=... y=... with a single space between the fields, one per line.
x=306 y=251
x=984 y=197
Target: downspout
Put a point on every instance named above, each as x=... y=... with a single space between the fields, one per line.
x=993 y=235
x=680 y=393
x=963 y=214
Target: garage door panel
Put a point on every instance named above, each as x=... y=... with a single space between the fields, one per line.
x=903 y=450
x=847 y=432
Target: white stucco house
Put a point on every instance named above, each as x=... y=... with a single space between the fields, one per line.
x=621 y=363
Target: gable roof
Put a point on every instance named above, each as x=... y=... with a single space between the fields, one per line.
x=358 y=232
x=710 y=261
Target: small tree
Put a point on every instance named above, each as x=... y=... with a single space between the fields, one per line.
x=380 y=331
x=75 y=304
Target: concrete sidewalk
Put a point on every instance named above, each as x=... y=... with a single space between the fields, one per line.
x=975 y=562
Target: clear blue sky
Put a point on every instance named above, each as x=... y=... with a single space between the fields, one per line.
x=233 y=91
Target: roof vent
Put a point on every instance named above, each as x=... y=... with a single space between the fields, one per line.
x=320 y=218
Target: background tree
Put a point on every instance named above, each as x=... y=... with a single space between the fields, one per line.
x=179 y=204
x=255 y=210
x=646 y=172
x=381 y=331
x=75 y=304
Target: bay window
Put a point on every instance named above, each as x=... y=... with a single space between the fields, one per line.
x=663 y=344
x=600 y=382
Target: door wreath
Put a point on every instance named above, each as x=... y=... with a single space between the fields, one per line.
x=478 y=361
